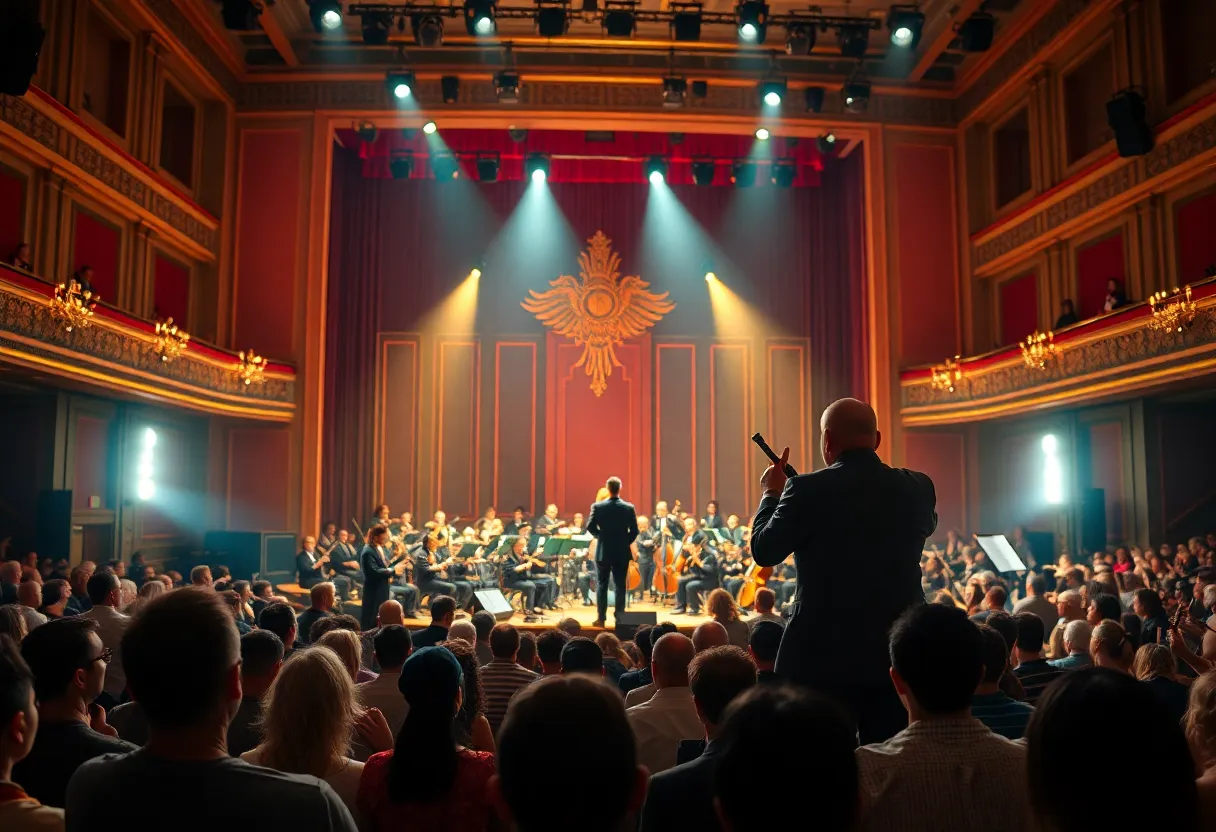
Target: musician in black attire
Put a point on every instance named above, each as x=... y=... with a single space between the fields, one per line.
x=344 y=560
x=662 y=518
x=310 y=564
x=734 y=529
x=430 y=574
x=614 y=523
x=377 y=575
x=463 y=577
x=784 y=581
x=548 y=523
x=696 y=579
x=712 y=520
x=837 y=639
x=518 y=572
x=731 y=569
x=518 y=521
x=645 y=543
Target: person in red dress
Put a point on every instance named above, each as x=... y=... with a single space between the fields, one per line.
x=428 y=782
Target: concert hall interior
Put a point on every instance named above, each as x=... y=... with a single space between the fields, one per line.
x=271 y=266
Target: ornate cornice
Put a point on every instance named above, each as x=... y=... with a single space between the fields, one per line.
x=1097 y=360
x=116 y=353
x=192 y=40
x=62 y=137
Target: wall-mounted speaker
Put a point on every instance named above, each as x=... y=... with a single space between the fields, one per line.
x=1093 y=520
x=1125 y=114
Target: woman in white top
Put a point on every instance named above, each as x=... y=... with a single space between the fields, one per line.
x=307 y=719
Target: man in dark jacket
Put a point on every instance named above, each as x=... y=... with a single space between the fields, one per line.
x=836 y=640
x=614 y=524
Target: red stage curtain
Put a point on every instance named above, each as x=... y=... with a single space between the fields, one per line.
x=398 y=248
x=1194 y=221
x=12 y=207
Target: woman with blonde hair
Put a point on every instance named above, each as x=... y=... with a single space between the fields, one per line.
x=1200 y=728
x=146 y=593
x=1109 y=647
x=1154 y=666
x=313 y=682
x=616 y=661
x=128 y=592
x=723 y=609
x=347 y=647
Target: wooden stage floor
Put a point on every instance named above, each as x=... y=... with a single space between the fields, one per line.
x=586 y=615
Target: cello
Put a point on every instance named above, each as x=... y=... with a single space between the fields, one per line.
x=665 y=582
x=754 y=577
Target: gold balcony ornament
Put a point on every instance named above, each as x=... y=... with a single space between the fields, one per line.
x=1172 y=311
x=1038 y=349
x=251 y=368
x=73 y=305
x=171 y=340
x=947 y=376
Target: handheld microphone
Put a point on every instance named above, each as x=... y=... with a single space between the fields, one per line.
x=768 y=452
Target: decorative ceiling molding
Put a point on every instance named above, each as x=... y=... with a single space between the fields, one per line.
x=191 y=38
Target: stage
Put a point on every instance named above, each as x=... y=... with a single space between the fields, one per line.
x=585 y=616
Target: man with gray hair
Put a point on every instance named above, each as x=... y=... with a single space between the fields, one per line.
x=1076 y=643
x=1035 y=602
x=1070 y=608
x=463 y=630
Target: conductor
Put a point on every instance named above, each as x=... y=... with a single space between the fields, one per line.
x=614 y=523
x=856 y=517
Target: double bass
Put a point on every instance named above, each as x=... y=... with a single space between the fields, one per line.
x=665 y=578
x=754 y=577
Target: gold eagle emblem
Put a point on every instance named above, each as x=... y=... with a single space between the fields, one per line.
x=600 y=310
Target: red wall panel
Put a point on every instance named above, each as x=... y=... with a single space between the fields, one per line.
x=267 y=244
x=675 y=440
x=730 y=452
x=515 y=404
x=96 y=243
x=1195 y=221
x=1096 y=264
x=258 y=483
x=1019 y=308
x=91 y=455
x=926 y=249
x=457 y=365
x=12 y=210
x=397 y=423
x=1106 y=472
x=942 y=456
x=171 y=291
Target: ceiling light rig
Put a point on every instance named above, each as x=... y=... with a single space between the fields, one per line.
x=904 y=23
x=856 y=92
x=506 y=87
x=619 y=19
x=479 y=18
x=400 y=84
x=552 y=18
x=772 y=91
x=751 y=18
x=326 y=15
x=428 y=29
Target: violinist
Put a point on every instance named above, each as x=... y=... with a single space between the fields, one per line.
x=548 y=523
x=524 y=572
x=310 y=564
x=699 y=573
x=485 y=522
x=712 y=520
x=381 y=516
x=731 y=569
x=518 y=520
x=329 y=536
x=645 y=545
x=432 y=560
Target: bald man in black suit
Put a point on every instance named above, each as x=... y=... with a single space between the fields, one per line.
x=614 y=523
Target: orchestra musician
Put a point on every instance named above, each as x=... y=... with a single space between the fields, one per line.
x=663 y=518
x=329 y=536
x=645 y=545
x=576 y=523
x=382 y=517
x=403 y=591
x=734 y=530
x=712 y=520
x=486 y=522
x=518 y=519
x=548 y=523
x=345 y=562
x=784 y=581
x=731 y=568
x=525 y=573
x=700 y=572
x=431 y=562
x=377 y=574
x=405 y=526
x=310 y=565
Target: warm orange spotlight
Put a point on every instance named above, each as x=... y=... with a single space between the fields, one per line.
x=457 y=313
x=733 y=316
x=475 y=273
x=710 y=276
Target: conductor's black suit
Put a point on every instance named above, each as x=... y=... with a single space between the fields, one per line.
x=856 y=529
x=614 y=523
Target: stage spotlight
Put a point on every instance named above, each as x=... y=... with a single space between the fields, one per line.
x=376 y=28
x=240 y=15
x=475 y=273
x=814 y=99
x=854 y=40
x=686 y=21
x=710 y=277
x=429 y=128
x=326 y=15
x=428 y=29
x=784 y=172
x=487 y=167
x=703 y=171
x=905 y=24
x=743 y=173
x=401 y=165
x=366 y=131
x=673 y=92
x=799 y=38
x=771 y=92
x=656 y=170
x=826 y=144
x=518 y=135
x=552 y=21
x=762 y=134
x=856 y=94
x=619 y=20
x=479 y=18
x=506 y=87
x=445 y=166
x=1053 y=471
x=975 y=35
x=751 y=18
x=450 y=86
x=536 y=165
x=400 y=84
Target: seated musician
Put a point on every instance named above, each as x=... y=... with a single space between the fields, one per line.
x=381 y=517
x=734 y=530
x=576 y=523
x=402 y=589
x=329 y=536
x=310 y=564
x=700 y=573
x=484 y=522
x=784 y=581
x=645 y=546
x=524 y=573
x=548 y=523
x=405 y=526
x=431 y=561
x=344 y=560
x=518 y=520
x=463 y=571
x=665 y=522
x=712 y=520
x=731 y=569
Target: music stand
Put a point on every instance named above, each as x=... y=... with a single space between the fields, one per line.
x=1000 y=553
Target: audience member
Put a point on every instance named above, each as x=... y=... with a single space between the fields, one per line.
x=105 y=595
x=261 y=660
x=570 y=627
x=392 y=647
x=19 y=811
x=450 y=791
x=472 y=727
x=295 y=740
x=616 y=660
x=322 y=598
x=766 y=602
x=484 y=622
x=443 y=613
x=10 y=578
x=549 y=646
x=611 y=782
x=29 y=599
x=722 y=608
x=526 y=657
x=994 y=601
x=1200 y=727
x=189 y=697
x=821 y=772
x=1109 y=647
x=1036 y=602
x=1097 y=711
x=682 y=797
x=79 y=579
x=640 y=675
x=1076 y=645
x=261 y=598
x=1154 y=666
x=201 y=576
x=465 y=631
x=710 y=634
x=1103 y=607
x=946 y=770
x=991 y=705
x=669 y=716
x=1033 y=670
x=1070 y=608
x=502 y=676
x=763 y=645
x=12 y=623
x=55 y=597
x=1154 y=620
x=69 y=662
x=345 y=644
x=279 y=619
x=582 y=655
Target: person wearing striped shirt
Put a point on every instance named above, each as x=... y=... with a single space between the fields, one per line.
x=1032 y=671
x=991 y=705
x=503 y=677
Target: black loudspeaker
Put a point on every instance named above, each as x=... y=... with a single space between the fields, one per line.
x=1093 y=520
x=627 y=625
x=20 y=45
x=1043 y=545
x=493 y=602
x=270 y=556
x=54 y=534
x=1125 y=115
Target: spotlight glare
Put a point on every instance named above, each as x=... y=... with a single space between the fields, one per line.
x=331 y=19
x=400 y=84
x=479 y=17
x=748 y=31
x=538 y=176
x=429 y=128
x=751 y=18
x=326 y=15
x=483 y=26
x=475 y=273
x=1050 y=444
x=762 y=134
x=149 y=438
x=710 y=277
x=772 y=99
x=656 y=178
x=146 y=489
x=536 y=165
x=905 y=24
x=402 y=91
x=656 y=170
